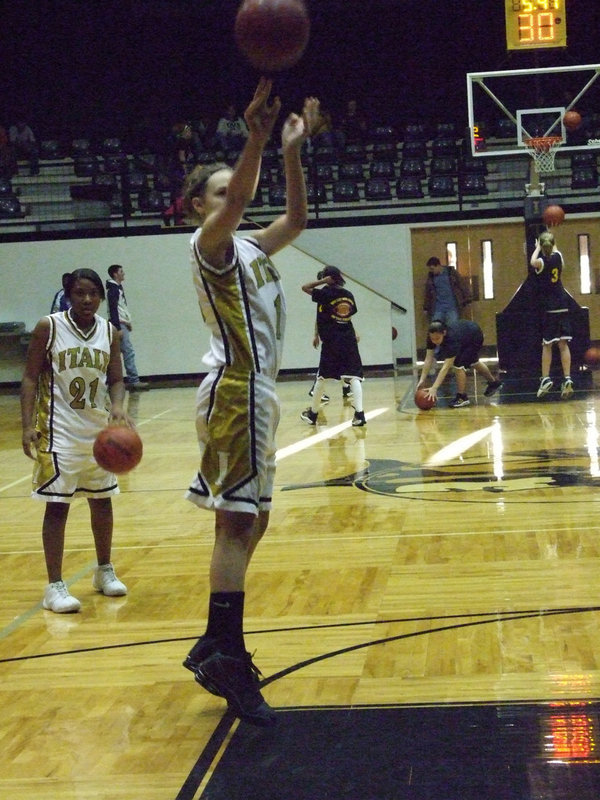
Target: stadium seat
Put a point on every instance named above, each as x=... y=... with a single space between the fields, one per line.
x=579 y=160
x=353 y=153
x=584 y=178
x=6 y=186
x=162 y=182
x=474 y=165
x=112 y=146
x=106 y=179
x=51 y=149
x=85 y=166
x=10 y=207
x=316 y=195
x=412 y=167
x=352 y=171
x=443 y=147
x=415 y=131
x=323 y=173
x=270 y=157
x=145 y=162
x=345 y=192
x=409 y=187
x=446 y=129
x=473 y=184
x=378 y=189
x=81 y=147
x=117 y=163
x=277 y=195
x=151 y=200
x=385 y=151
x=382 y=169
x=443 y=166
x=441 y=186
x=414 y=148
x=135 y=181
x=505 y=128
x=325 y=155
x=383 y=133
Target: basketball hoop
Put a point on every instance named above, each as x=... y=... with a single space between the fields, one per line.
x=543 y=150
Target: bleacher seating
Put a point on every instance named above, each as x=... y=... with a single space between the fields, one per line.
x=441 y=186
x=345 y=192
x=382 y=169
x=472 y=183
x=352 y=171
x=413 y=167
x=409 y=187
x=378 y=189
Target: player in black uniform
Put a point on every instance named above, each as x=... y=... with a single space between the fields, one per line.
x=458 y=345
x=340 y=359
x=547 y=263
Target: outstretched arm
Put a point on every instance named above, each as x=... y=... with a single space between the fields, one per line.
x=286 y=228
x=221 y=223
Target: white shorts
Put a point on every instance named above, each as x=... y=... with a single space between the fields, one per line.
x=61 y=477
x=236 y=419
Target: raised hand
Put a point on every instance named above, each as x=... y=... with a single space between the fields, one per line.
x=260 y=116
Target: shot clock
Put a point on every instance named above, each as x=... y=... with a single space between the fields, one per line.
x=533 y=24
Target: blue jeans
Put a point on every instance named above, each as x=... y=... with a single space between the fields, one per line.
x=448 y=316
x=128 y=354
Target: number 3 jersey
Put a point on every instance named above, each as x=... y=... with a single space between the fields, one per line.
x=244 y=307
x=72 y=398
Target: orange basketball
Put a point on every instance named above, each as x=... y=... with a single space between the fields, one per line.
x=572 y=120
x=591 y=357
x=118 y=449
x=553 y=215
x=422 y=401
x=272 y=34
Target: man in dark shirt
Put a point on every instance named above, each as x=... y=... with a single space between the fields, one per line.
x=458 y=345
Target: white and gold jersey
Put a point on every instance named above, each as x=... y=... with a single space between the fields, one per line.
x=72 y=401
x=244 y=307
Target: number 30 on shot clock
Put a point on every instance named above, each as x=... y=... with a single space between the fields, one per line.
x=532 y=24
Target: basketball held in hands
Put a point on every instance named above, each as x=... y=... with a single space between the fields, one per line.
x=118 y=449
x=422 y=400
x=272 y=34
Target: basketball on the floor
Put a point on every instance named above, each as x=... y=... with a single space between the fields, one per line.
x=272 y=34
x=422 y=401
x=553 y=215
x=572 y=120
x=591 y=357
x=118 y=449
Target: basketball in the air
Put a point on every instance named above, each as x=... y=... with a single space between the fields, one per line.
x=272 y=34
x=118 y=449
x=422 y=401
x=572 y=120
x=553 y=215
x=591 y=357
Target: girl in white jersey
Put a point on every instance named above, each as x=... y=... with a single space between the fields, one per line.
x=242 y=303
x=72 y=387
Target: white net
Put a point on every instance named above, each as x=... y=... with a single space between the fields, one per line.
x=543 y=150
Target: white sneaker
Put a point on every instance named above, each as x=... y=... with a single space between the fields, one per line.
x=566 y=390
x=58 y=599
x=106 y=581
x=545 y=386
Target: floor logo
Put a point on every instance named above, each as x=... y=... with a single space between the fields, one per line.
x=555 y=476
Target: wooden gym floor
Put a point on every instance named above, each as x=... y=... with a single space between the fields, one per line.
x=424 y=608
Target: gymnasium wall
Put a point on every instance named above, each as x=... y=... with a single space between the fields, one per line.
x=510 y=265
x=385 y=262
x=168 y=333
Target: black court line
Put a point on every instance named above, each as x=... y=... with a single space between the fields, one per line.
x=494 y=615
x=202 y=765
